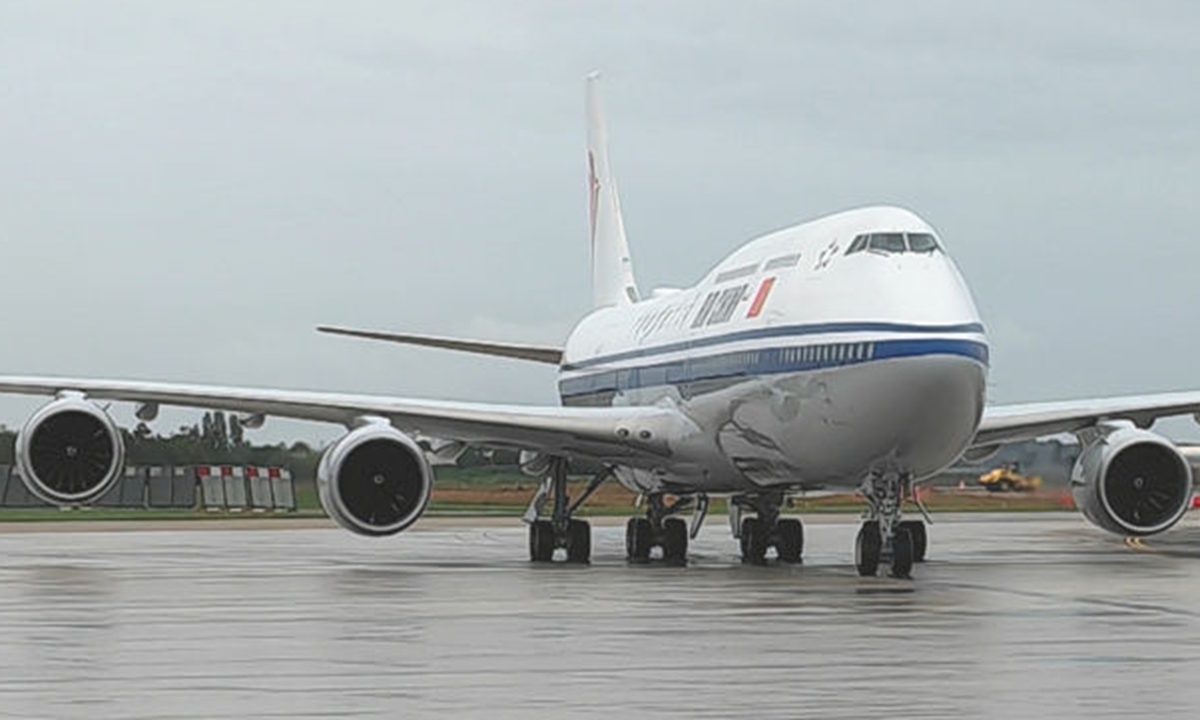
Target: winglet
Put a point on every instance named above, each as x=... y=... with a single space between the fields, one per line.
x=612 y=270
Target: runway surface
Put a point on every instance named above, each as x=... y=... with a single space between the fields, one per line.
x=1014 y=616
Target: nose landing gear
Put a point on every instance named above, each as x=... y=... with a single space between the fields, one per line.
x=884 y=538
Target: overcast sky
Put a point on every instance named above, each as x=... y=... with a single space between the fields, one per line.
x=187 y=189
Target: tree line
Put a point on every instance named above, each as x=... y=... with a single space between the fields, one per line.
x=218 y=439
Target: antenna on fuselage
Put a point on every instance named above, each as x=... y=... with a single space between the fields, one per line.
x=612 y=269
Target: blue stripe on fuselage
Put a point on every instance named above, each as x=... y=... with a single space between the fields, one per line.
x=768 y=361
x=775 y=332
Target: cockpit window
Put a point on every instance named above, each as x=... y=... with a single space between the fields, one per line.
x=894 y=242
x=922 y=242
x=888 y=242
x=860 y=243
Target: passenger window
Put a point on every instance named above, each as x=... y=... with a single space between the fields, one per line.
x=860 y=243
x=888 y=242
x=922 y=242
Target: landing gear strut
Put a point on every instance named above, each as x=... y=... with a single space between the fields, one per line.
x=884 y=538
x=766 y=529
x=561 y=530
x=659 y=529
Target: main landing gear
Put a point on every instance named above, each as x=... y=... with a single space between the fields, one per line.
x=659 y=529
x=885 y=539
x=561 y=530
x=765 y=529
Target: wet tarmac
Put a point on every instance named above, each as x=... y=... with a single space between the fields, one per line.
x=1014 y=616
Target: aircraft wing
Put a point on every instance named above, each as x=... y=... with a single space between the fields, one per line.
x=619 y=434
x=1012 y=423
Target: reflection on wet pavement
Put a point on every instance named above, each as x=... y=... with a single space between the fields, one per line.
x=1019 y=616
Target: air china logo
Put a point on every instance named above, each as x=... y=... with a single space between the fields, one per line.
x=593 y=194
x=760 y=298
x=827 y=256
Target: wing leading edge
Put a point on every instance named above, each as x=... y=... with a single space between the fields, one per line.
x=634 y=435
x=1013 y=423
x=628 y=435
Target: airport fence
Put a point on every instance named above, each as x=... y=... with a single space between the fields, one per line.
x=215 y=488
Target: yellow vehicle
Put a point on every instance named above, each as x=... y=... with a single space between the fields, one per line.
x=1008 y=478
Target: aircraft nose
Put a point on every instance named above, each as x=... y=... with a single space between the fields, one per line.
x=926 y=290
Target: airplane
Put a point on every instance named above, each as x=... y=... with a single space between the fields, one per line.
x=845 y=352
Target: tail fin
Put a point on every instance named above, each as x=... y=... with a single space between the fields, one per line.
x=612 y=270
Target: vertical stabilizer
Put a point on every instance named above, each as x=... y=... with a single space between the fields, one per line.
x=612 y=270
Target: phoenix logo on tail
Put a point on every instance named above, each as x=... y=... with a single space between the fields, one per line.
x=593 y=195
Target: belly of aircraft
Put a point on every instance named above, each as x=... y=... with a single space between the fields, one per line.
x=828 y=429
x=831 y=428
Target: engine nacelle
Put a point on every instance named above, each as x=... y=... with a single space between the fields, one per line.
x=1132 y=482
x=70 y=452
x=375 y=480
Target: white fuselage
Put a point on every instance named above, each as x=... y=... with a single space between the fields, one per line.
x=800 y=365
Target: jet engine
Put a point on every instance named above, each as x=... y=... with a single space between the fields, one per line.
x=375 y=480
x=1132 y=482
x=70 y=452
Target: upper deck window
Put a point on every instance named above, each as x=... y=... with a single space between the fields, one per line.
x=888 y=242
x=782 y=261
x=734 y=274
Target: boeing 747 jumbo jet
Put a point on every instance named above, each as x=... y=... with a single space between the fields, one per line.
x=845 y=352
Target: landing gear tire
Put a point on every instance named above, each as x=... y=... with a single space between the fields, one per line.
x=755 y=541
x=868 y=547
x=560 y=529
x=639 y=538
x=902 y=554
x=789 y=541
x=541 y=541
x=579 y=542
x=920 y=538
x=674 y=541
